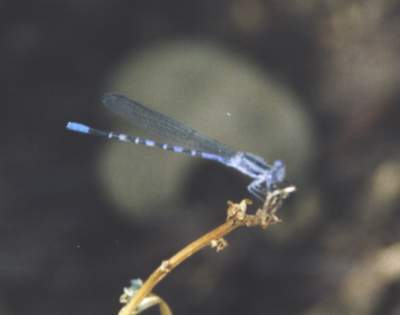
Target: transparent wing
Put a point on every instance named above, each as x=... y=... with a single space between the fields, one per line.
x=164 y=127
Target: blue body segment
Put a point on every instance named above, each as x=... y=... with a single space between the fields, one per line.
x=73 y=126
x=180 y=138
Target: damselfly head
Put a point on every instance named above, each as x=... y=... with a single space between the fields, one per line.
x=277 y=172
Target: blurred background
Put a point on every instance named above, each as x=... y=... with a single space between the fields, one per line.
x=314 y=83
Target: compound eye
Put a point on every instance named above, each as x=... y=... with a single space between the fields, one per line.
x=279 y=171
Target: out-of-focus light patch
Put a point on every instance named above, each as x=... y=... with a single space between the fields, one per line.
x=198 y=83
x=365 y=283
x=386 y=182
x=388 y=261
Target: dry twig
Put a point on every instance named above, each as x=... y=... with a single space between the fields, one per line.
x=140 y=297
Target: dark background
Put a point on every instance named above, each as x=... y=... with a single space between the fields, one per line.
x=65 y=246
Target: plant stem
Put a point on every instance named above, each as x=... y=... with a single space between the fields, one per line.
x=171 y=263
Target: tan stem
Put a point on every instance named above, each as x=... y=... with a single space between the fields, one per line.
x=168 y=265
